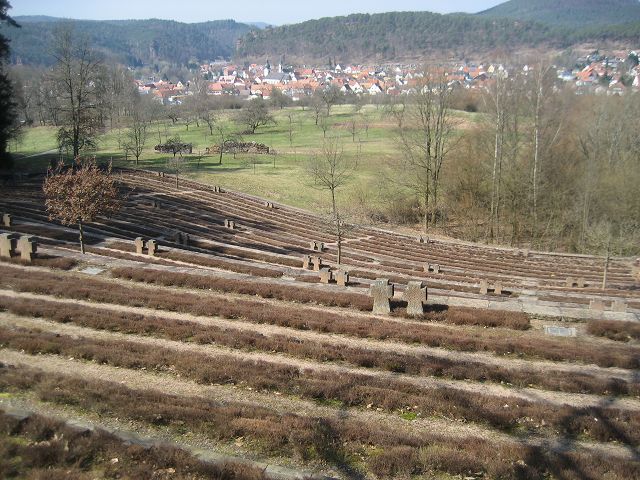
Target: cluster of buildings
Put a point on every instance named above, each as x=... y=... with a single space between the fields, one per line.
x=593 y=75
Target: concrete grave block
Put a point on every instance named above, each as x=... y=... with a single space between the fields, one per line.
x=316 y=246
x=325 y=275
x=597 y=305
x=7 y=244
x=560 y=331
x=317 y=263
x=484 y=287
x=381 y=291
x=342 y=278
x=140 y=244
x=306 y=262
x=416 y=296
x=619 y=306
x=7 y=221
x=27 y=246
x=152 y=246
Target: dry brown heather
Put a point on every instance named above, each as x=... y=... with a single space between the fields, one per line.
x=38 y=447
x=453 y=315
x=354 y=390
x=387 y=452
x=324 y=351
x=615 y=330
x=501 y=342
x=57 y=263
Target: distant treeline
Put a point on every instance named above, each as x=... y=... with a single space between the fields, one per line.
x=390 y=36
x=130 y=42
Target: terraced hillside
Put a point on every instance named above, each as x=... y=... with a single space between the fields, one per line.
x=224 y=345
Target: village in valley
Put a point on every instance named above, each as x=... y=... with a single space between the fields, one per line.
x=593 y=74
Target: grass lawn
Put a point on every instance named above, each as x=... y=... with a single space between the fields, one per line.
x=280 y=177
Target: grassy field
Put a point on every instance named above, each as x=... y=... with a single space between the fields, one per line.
x=279 y=177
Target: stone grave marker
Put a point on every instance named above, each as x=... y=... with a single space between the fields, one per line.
x=27 y=247
x=269 y=205
x=325 y=275
x=497 y=288
x=484 y=287
x=7 y=245
x=317 y=263
x=230 y=224
x=306 y=262
x=581 y=283
x=92 y=271
x=619 y=306
x=560 y=331
x=140 y=244
x=570 y=282
x=597 y=305
x=7 y=220
x=382 y=292
x=342 y=278
x=152 y=247
x=416 y=296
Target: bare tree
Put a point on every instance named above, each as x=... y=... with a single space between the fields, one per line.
x=426 y=140
x=255 y=114
x=75 y=75
x=78 y=195
x=329 y=169
x=330 y=96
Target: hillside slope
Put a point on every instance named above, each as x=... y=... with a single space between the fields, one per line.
x=574 y=13
x=399 y=36
x=132 y=42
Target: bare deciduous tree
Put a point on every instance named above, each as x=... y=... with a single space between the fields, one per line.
x=329 y=169
x=426 y=140
x=77 y=195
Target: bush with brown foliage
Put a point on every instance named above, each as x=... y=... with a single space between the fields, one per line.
x=332 y=440
x=614 y=330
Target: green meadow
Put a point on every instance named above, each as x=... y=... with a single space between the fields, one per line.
x=280 y=177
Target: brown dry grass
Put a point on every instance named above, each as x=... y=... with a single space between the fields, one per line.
x=185 y=331
x=354 y=390
x=331 y=440
x=501 y=342
x=38 y=447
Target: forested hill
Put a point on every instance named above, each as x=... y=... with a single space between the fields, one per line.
x=132 y=42
x=415 y=35
x=389 y=35
x=572 y=13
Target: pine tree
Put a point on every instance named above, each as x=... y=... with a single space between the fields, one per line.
x=8 y=116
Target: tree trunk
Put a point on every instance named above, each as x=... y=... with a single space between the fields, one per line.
x=81 y=230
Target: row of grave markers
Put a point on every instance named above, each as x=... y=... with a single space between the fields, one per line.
x=599 y=305
x=341 y=277
x=151 y=246
x=11 y=244
x=382 y=291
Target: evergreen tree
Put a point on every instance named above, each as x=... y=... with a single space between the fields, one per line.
x=8 y=116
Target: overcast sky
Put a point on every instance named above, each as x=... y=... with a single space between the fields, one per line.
x=274 y=12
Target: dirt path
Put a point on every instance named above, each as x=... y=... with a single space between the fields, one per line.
x=214 y=351
x=284 y=404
